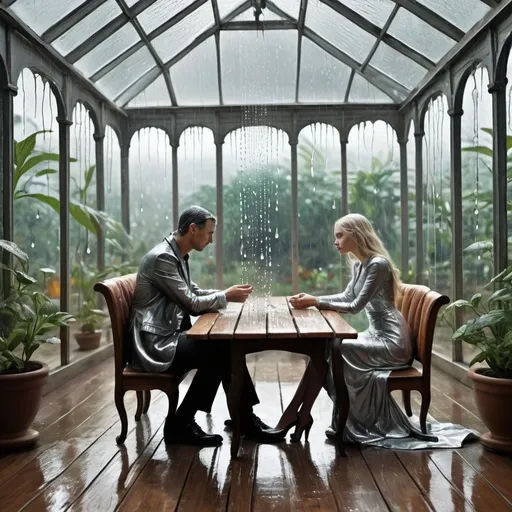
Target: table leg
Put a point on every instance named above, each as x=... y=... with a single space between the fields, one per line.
x=342 y=398
x=234 y=394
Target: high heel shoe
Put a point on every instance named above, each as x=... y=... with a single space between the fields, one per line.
x=290 y=425
x=295 y=437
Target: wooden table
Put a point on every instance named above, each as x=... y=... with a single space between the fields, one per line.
x=272 y=324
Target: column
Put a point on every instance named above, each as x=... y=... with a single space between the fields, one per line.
x=295 y=218
x=456 y=197
x=65 y=269
x=499 y=167
x=100 y=195
x=418 y=139
x=404 y=209
x=344 y=177
x=125 y=185
x=175 y=192
x=219 y=141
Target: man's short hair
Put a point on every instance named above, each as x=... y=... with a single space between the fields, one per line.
x=194 y=215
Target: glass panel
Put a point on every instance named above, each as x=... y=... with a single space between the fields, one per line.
x=43 y=14
x=437 y=231
x=322 y=77
x=150 y=188
x=155 y=94
x=419 y=35
x=159 y=12
x=477 y=203
x=197 y=177
x=463 y=13
x=83 y=245
x=108 y=50
x=87 y=27
x=227 y=7
x=257 y=202
x=362 y=91
x=376 y=12
x=339 y=31
x=195 y=78
x=411 y=203
x=265 y=16
x=397 y=66
x=319 y=201
x=257 y=69
x=373 y=158
x=36 y=225
x=290 y=7
x=172 y=41
x=122 y=76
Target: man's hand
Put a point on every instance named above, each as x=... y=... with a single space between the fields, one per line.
x=303 y=301
x=238 y=292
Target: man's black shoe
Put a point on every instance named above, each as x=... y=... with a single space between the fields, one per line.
x=264 y=426
x=191 y=433
x=253 y=428
x=330 y=434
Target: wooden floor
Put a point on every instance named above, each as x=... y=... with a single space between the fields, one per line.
x=78 y=466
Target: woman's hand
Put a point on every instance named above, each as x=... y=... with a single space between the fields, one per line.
x=303 y=301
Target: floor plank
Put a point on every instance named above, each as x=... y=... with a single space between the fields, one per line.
x=78 y=466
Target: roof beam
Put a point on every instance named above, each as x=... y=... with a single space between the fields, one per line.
x=380 y=36
x=379 y=33
x=216 y=16
x=432 y=18
x=138 y=86
x=491 y=3
x=71 y=19
x=397 y=92
x=130 y=51
x=8 y=3
x=300 y=29
x=349 y=85
x=194 y=44
x=276 y=10
x=106 y=31
x=135 y=22
x=252 y=25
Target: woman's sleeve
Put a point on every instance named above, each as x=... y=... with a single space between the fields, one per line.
x=344 y=296
x=376 y=274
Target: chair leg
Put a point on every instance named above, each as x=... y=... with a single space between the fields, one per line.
x=425 y=404
x=119 y=400
x=147 y=401
x=406 y=395
x=173 y=404
x=140 y=405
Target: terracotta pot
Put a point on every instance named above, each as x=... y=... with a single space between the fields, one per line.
x=493 y=398
x=20 y=398
x=88 y=340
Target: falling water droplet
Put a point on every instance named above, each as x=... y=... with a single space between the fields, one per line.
x=277 y=234
x=32 y=245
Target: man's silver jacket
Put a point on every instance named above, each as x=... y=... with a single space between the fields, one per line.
x=164 y=296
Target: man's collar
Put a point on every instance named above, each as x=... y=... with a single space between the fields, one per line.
x=171 y=240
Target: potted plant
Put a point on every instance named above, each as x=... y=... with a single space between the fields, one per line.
x=27 y=318
x=490 y=330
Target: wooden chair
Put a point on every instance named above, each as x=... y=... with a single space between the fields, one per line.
x=419 y=305
x=118 y=293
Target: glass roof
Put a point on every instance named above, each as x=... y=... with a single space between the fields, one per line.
x=147 y=53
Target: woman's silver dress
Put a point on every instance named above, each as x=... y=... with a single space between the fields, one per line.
x=375 y=418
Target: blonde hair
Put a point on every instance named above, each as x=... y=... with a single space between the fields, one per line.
x=368 y=242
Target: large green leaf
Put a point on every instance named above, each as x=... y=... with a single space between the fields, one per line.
x=79 y=212
x=13 y=249
x=25 y=147
x=483 y=150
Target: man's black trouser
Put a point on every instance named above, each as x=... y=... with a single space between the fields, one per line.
x=212 y=360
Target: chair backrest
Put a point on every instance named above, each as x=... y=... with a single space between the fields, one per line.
x=118 y=292
x=419 y=306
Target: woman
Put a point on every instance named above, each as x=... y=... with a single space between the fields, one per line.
x=374 y=416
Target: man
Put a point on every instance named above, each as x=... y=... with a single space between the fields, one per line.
x=164 y=299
